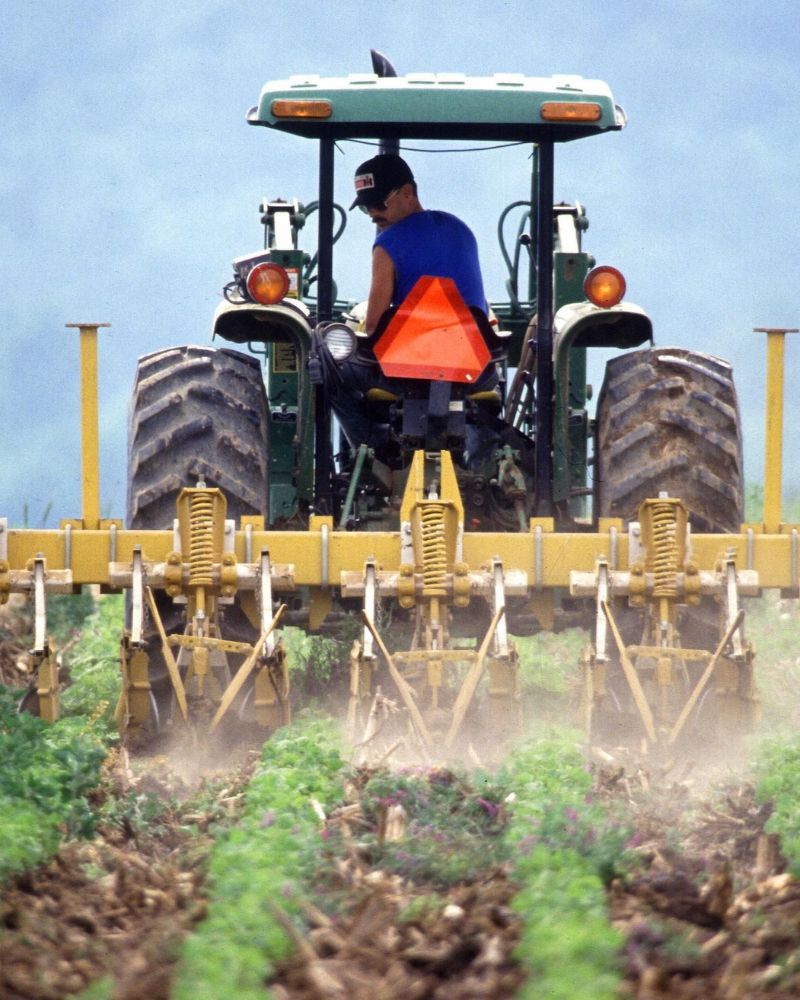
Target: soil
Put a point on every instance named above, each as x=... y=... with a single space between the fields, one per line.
x=15 y=629
x=117 y=906
x=708 y=911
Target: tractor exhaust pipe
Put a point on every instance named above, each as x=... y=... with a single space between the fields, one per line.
x=382 y=67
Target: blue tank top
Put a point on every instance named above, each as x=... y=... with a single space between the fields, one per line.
x=438 y=244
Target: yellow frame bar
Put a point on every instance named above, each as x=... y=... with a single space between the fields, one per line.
x=547 y=557
x=773 y=440
x=90 y=433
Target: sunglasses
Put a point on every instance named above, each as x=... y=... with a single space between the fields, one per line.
x=366 y=209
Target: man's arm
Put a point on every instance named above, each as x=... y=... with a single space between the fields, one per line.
x=381 y=288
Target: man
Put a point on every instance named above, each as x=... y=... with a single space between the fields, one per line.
x=411 y=240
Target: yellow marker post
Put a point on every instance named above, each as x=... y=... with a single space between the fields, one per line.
x=90 y=436
x=773 y=444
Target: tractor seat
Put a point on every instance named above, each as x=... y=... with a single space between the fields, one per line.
x=489 y=398
x=375 y=395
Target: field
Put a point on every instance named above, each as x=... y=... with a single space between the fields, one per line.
x=289 y=871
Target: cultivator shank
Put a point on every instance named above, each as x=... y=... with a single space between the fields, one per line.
x=433 y=577
x=664 y=580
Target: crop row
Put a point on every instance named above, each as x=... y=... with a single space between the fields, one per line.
x=261 y=864
x=49 y=771
x=537 y=813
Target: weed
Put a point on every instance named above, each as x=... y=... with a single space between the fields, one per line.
x=454 y=822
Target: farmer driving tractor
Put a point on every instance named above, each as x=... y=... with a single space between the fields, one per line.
x=413 y=245
x=411 y=241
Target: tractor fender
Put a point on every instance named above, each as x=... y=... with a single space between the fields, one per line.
x=582 y=324
x=287 y=321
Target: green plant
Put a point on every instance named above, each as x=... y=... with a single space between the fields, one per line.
x=262 y=862
x=754 y=504
x=564 y=847
x=93 y=664
x=48 y=772
x=548 y=661
x=313 y=661
x=67 y=614
x=454 y=822
x=778 y=782
x=772 y=626
x=101 y=989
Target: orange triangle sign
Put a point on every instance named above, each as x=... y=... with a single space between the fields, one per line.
x=433 y=335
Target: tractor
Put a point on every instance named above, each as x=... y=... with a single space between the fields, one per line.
x=491 y=506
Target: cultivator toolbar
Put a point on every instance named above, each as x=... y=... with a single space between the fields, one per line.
x=665 y=616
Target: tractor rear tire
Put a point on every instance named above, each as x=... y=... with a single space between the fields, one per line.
x=197 y=413
x=668 y=420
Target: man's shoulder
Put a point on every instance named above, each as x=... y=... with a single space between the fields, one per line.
x=431 y=220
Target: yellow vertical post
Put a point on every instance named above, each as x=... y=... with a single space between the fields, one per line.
x=773 y=444
x=90 y=437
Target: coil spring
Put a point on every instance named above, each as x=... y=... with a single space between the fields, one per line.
x=434 y=549
x=665 y=550
x=201 y=539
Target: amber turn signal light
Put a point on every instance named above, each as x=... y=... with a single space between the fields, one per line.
x=604 y=286
x=570 y=111
x=267 y=283
x=285 y=108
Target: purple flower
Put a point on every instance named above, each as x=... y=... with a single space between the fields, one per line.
x=527 y=843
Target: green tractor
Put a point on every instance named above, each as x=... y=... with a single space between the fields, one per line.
x=258 y=425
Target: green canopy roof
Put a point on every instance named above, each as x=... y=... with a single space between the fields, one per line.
x=506 y=106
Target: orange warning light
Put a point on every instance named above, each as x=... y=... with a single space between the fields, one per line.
x=433 y=335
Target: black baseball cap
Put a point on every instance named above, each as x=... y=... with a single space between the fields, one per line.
x=376 y=178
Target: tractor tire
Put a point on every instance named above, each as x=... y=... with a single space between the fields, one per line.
x=668 y=420
x=197 y=413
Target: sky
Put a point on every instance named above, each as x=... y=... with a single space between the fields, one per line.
x=129 y=181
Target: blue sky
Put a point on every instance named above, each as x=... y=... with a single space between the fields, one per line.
x=129 y=180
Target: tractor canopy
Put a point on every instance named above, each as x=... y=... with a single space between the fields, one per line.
x=503 y=107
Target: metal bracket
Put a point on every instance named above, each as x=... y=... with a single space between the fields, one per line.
x=732 y=604
x=39 y=608
x=501 y=631
x=601 y=621
x=137 y=599
x=370 y=601
x=265 y=598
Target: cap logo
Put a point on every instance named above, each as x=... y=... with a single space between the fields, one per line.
x=365 y=181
